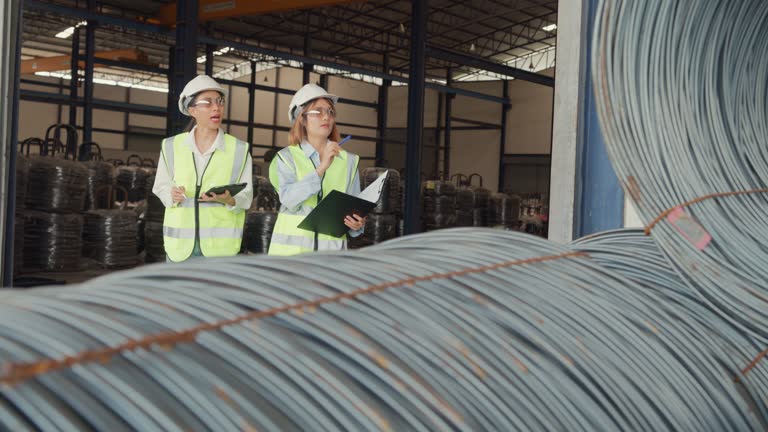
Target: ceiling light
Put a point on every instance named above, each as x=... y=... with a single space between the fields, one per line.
x=66 y=33
x=472 y=47
x=550 y=27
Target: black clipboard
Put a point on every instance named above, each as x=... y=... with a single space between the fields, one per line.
x=233 y=189
x=328 y=217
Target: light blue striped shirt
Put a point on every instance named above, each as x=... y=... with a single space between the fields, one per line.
x=293 y=192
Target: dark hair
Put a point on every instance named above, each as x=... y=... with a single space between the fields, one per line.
x=190 y=125
x=270 y=154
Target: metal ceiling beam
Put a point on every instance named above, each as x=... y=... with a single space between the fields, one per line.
x=482 y=63
x=103 y=19
x=63 y=62
x=218 y=9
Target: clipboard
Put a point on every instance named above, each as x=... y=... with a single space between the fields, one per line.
x=328 y=216
x=233 y=189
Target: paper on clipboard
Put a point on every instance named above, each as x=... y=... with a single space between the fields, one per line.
x=373 y=191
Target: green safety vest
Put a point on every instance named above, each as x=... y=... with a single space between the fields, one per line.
x=287 y=238
x=219 y=230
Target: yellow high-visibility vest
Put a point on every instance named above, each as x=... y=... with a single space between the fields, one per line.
x=219 y=230
x=287 y=239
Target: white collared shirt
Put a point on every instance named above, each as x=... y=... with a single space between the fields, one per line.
x=163 y=182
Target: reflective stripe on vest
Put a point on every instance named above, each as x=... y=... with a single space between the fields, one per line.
x=220 y=230
x=287 y=239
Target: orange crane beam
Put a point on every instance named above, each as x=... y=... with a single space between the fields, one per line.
x=217 y=9
x=63 y=62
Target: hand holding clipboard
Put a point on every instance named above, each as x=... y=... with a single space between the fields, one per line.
x=329 y=215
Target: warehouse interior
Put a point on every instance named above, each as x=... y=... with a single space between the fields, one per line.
x=559 y=243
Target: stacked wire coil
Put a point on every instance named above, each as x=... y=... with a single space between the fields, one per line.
x=259 y=224
x=439 y=204
x=515 y=334
x=100 y=174
x=22 y=179
x=52 y=241
x=59 y=185
x=154 y=247
x=676 y=147
x=504 y=210
x=110 y=237
x=390 y=198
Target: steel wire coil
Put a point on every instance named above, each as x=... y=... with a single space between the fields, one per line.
x=504 y=210
x=637 y=257
x=110 y=236
x=688 y=124
x=22 y=179
x=514 y=334
x=465 y=218
x=52 y=241
x=378 y=228
x=155 y=208
x=259 y=225
x=18 y=244
x=390 y=199
x=266 y=200
x=59 y=185
x=437 y=188
x=261 y=183
x=154 y=246
x=134 y=179
x=100 y=175
x=470 y=198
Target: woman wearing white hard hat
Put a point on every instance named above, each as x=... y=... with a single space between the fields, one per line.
x=197 y=223
x=307 y=170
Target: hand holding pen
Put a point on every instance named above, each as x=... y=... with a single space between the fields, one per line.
x=331 y=150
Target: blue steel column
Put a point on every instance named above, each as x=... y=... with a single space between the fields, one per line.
x=184 y=58
x=307 y=67
x=503 y=143
x=381 y=117
x=90 y=50
x=413 y=147
x=447 y=135
x=209 y=49
x=599 y=198
x=73 y=77
x=251 y=102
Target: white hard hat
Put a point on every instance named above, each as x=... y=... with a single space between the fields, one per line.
x=197 y=85
x=306 y=94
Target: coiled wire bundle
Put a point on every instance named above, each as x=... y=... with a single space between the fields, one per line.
x=18 y=244
x=259 y=225
x=504 y=210
x=22 y=179
x=154 y=246
x=110 y=235
x=515 y=334
x=52 y=241
x=390 y=197
x=59 y=185
x=155 y=207
x=133 y=178
x=630 y=253
x=378 y=228
x=439 y=204
x=686 y=134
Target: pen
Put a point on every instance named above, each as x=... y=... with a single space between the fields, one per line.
x=345 y=140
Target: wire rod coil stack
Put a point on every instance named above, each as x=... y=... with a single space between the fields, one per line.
x=515 y=334
x=686 y=134
x=630 y=253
